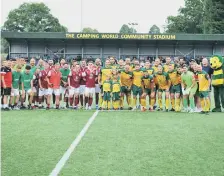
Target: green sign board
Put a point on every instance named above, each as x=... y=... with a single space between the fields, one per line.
x=120 y=36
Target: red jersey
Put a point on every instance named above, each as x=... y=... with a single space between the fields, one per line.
x=6 y=72
x=75 y=79
x=54 y=79
x=43 y=79
x=90 y=78
x=83 y=70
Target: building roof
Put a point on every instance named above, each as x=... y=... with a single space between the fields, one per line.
x=111 y=36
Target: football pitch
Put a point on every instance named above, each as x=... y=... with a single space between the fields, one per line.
x=117 y=143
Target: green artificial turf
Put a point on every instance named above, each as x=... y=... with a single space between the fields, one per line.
x=34 y=141
x=160 y=144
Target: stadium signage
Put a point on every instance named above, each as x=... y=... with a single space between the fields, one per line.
x=120 y=36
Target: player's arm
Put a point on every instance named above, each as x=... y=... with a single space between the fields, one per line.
x=99 y=77
x=22 y=82
x=69 y=79
x=48 y=80
x=208 y=78
x=31 y=81
x=39 y=80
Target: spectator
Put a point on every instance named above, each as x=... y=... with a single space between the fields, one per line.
x=206 y=67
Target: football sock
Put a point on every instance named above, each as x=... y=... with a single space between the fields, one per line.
x=81 y=100
x=160 y=103
x=71 y=100
x=122 y=102
x=177 y=108
x=208 y=104
x=192 y=104
x=173 y=103
x=90 y=101
x=203 y=104
x=108 y=104
x=167 y=103
x=129 y=100
x=97 y=98
x=143 y=102
x=134 y=101
x=76 y=101
x=152 y=102
x=185 y=103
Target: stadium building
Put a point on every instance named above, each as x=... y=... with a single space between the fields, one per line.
x=102 y=45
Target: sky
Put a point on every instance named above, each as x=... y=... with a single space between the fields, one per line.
x=104 y=15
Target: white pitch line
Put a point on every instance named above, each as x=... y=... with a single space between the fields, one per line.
x=72 y=147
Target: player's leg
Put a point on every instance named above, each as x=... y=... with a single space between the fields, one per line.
x=76 y=94
x=11 y=101
x=221 y=93
x=135 y=94
x=6 y=94
x=108 y=100
x=122 y=97
x=172 y=97
x=16 y=99
x=160 y=92
x=57 y=97
x=30 y=94
x=97 y=95
x=191 y=98
x=81 y=95
x=91 y=93
x=41 y=93
x=152 y=100
x=129 y=100
x=167 y=99
x=49 y=94
x=143 y=99
x=87 y=95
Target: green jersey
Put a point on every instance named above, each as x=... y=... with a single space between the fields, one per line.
x=16 y=76
x=64 y=74
x=187 y=78
x=33 y=70
x=26 y=80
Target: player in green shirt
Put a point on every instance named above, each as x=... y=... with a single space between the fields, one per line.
x=27 y=86
x=64 y=83
x=189 y=88
x=16 y=78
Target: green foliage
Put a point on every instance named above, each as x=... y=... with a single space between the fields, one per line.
x=198 y=16
x=89 y=30
x=154 y=30
x=125 y=29
x=33 y=17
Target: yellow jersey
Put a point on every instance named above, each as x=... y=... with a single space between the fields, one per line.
x=162 y=80
x=116 y=87
x=175 y=77
x=105 y=71
x=107 y=85
x=137 y=77
x=126 y=78
x=203 y=81
x=147 y=80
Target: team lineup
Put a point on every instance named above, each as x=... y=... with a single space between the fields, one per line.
x=186 y=87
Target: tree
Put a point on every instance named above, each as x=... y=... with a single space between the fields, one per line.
x=198 y=16
x=125 y=29
x=154 y=30
x=89 y=30
x=190 y=18
x=33 y=17
x=214 y=16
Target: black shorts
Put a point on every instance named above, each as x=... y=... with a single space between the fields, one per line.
x=6 y=91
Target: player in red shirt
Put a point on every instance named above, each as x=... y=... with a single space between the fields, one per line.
x=90 y=79
x=53 y=79
x=6 y=84
x=74 y=79
x=83 y=69
x=97 y=86
x=43 y=85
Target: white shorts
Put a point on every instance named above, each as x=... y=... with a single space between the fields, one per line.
x=15 y=92
x=73 y=91
x=97 y=88
x=82 y=89
x=34 y=90
x=55 y=91
x=89 y=90
x=43 y=92
x=63 y=91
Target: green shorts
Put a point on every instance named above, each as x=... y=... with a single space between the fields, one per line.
x=161 y=90
x=136 y=90
x=147 y=91
x=116 y=96
x=175 y=89
x=203 y=94
x=106 y=96
x=125 y=90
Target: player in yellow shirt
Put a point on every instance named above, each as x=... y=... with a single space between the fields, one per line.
x=104 y=72
x=113 y=63
x=175 y=78
x=126 y=84
x=156 y=64
x=163 y=81
x=149 y=69
x=137 y=88
x=204 y=84
x=116 y=90
x=166 y=65
x=148 y=87
x=107 y=88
